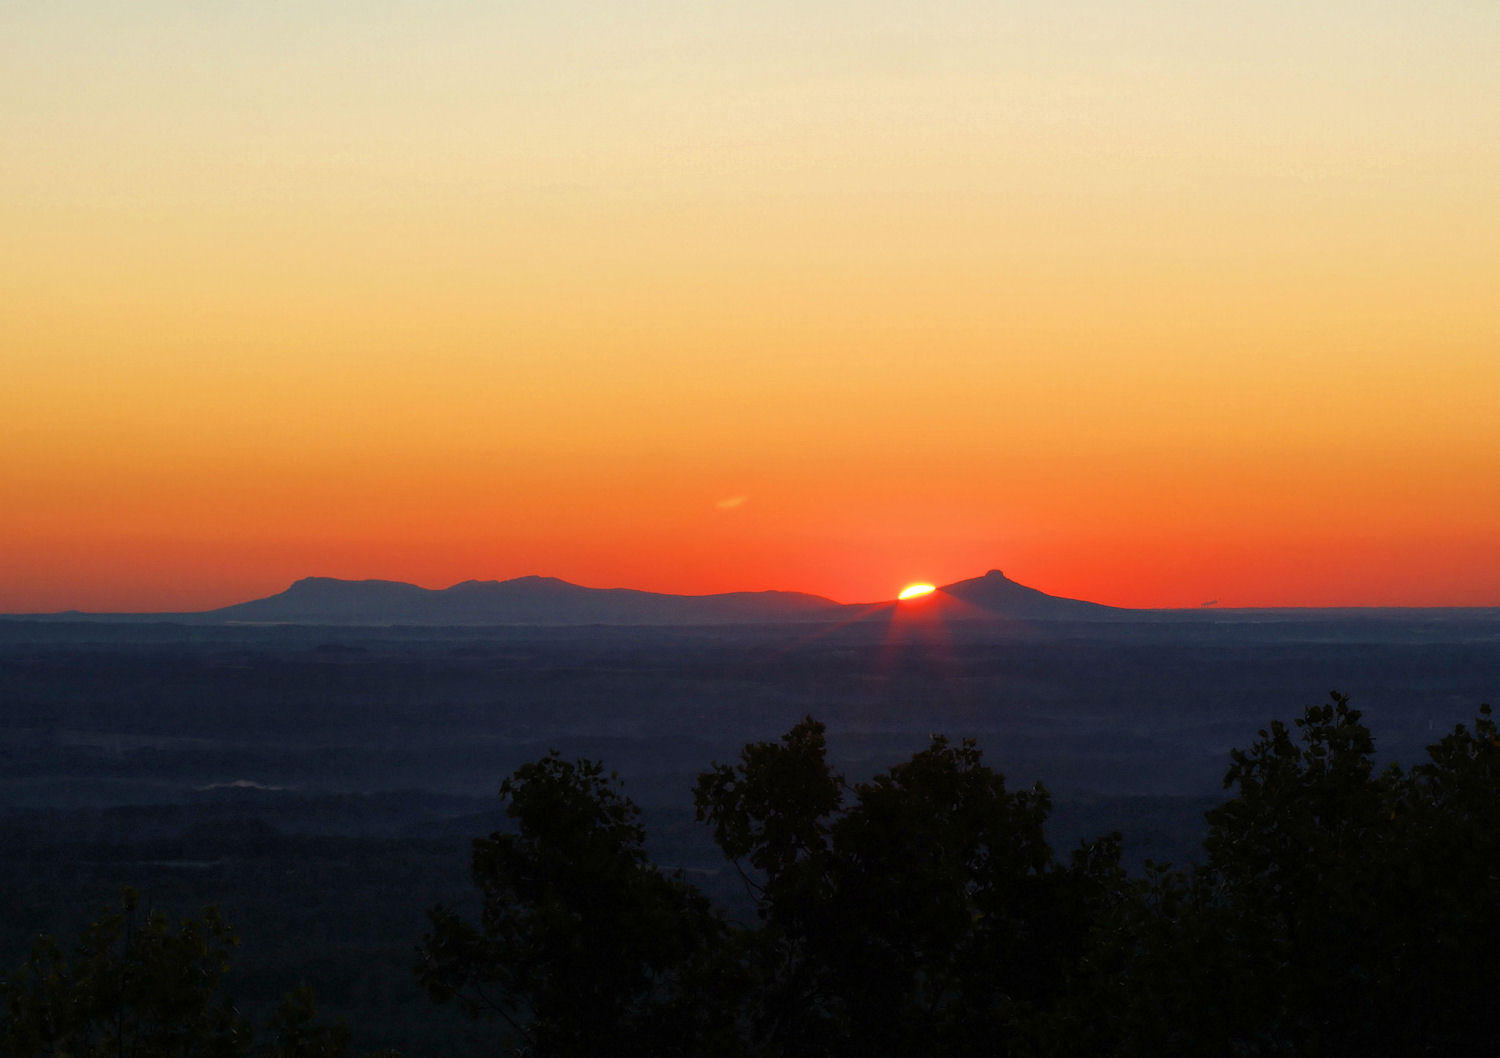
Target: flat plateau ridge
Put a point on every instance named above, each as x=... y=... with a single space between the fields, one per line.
x=522 y=601
x=549 y=601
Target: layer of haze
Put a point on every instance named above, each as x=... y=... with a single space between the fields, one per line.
x=1146 y=302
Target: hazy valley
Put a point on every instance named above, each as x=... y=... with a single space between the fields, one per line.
x=324 y=781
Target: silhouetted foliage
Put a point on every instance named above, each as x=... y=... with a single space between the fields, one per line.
x=1450 y=843
x=918 y=913
x=580 y=940
x=924 y=914
x=1340 y=909
x=137 y=986
x=296 y=1033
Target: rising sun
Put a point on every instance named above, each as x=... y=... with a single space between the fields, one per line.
x=916 y=591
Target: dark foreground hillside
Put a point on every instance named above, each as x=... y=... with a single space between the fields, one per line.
x=322 y=785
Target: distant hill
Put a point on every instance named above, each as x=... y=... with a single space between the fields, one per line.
x=549 y=601
x=522 y=601
x=997 y=596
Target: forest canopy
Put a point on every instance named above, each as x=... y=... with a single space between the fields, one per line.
x=1339 y=908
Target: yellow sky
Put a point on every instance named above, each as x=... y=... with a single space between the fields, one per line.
x=1149 y=302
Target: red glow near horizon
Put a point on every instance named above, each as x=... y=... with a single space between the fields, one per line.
x=701 y=323
x=158 y=576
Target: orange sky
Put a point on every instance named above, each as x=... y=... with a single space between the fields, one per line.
x=1140 y=304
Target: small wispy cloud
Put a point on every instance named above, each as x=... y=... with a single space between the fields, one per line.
x=729 y=503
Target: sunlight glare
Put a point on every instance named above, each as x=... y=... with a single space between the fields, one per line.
x=916 y=591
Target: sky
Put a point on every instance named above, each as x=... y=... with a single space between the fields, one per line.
x=1151 y=303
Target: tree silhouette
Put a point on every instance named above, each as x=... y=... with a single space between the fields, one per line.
x=136 y=985
x=918 y=913
x=580 y=939
x=1341 y=909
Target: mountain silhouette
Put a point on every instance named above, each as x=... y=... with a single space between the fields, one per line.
x=522 y=601
x=549 y=601
x=996 y=595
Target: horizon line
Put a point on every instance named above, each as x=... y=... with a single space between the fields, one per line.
x=1212 y=606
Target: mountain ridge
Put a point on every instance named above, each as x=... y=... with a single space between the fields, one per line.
x=527 y=600
x=995 y=593
x=542 y=600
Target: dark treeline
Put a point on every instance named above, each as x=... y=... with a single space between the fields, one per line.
x=1339 y=909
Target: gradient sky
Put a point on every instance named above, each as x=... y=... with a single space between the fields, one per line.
x=1150 y=303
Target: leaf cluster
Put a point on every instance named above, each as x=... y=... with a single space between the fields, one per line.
x=135 y=984
x=1341 y=909
x=921 y=912
x=580 y=937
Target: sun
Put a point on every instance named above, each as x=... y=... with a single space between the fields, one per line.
x=916 y=591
